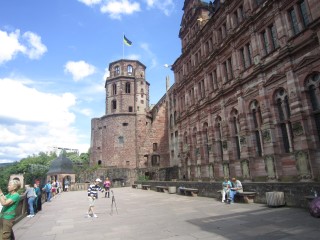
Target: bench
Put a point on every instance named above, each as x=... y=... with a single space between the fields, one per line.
x=188 y=191
x=162 y=188
x=134 y=185
x=146 y=187
x=246 y=197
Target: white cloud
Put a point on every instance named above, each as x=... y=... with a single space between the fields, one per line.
x=116 y=8
x=166 y=6
x=11 y=45
x=150 y=54
x=86 y=111
x=90 y=2
x=35 y=47
x=79 y=70
x=35 y=121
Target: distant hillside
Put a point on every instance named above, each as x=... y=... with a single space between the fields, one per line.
x=2 y=165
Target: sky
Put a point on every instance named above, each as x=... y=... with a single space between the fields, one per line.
x=54 y=59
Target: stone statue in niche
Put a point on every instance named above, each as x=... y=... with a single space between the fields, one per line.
x=226 y=170
x=297 y=129
x=266 y=136
x=243 y=140
x=245 y=169
x=270 y=168
x=224 y=145
x=302 y=163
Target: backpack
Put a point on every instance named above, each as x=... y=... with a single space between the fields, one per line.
x=47 y=187
x=314 y=207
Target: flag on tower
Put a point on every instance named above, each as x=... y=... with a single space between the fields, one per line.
x=126 y=41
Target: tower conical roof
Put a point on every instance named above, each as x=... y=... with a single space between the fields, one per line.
x=61 y=165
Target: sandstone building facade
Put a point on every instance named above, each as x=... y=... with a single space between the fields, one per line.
x=245 y=102
x=246 y=98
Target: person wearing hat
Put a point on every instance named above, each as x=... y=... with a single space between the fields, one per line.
x=93 y=195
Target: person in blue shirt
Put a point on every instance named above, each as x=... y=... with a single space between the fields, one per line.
x=47 y=188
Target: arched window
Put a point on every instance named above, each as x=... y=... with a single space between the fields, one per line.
x=175 y=118
x=114 y=89
x=130 y=70
x=205 y=137
x=171 y=121
x=256 y=126
x=116 y=70
x=128 y=90
x=219 y=137
x=313 y=86
x=236 y=131
x=282 y=102
x=194 y=143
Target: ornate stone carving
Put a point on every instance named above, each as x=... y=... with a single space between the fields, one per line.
x=270 y=167
x=243 y=140
x=266 y=136
x=225 y=145
x=303 y=167
x=297 y=129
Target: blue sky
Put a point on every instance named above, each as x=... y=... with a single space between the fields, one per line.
x=54 y=58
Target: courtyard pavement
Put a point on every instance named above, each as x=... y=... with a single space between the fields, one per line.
x=148 y=215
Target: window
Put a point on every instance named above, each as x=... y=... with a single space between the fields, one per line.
x=116 y=70
x=125 y=124
x=293 y=21
x=155 y=160
x=206 y=142
x=130 y=109
x=236 y=130
x=269 y=39
x=201 y=89
x=313 y=84
x=274 y=39
x=155 y=147
x=114 y=89
x=257 y=123
x=219 y=137
x=194 y=143
x=128 y=87
x=121 y=139
x=114 y=104
x=284 y=114
x=259 y=2
x=129 y=69
x=304 y=13
x=227 y=65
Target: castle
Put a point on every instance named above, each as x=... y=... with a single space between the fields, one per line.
x=245 y=102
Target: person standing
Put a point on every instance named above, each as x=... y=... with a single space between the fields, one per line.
x=235 y=188
x=37 y=203
x=9 y=202
x=93 y=195
x=107 y=185
x=226 y=185
x=31 y=196
x=47 y=188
